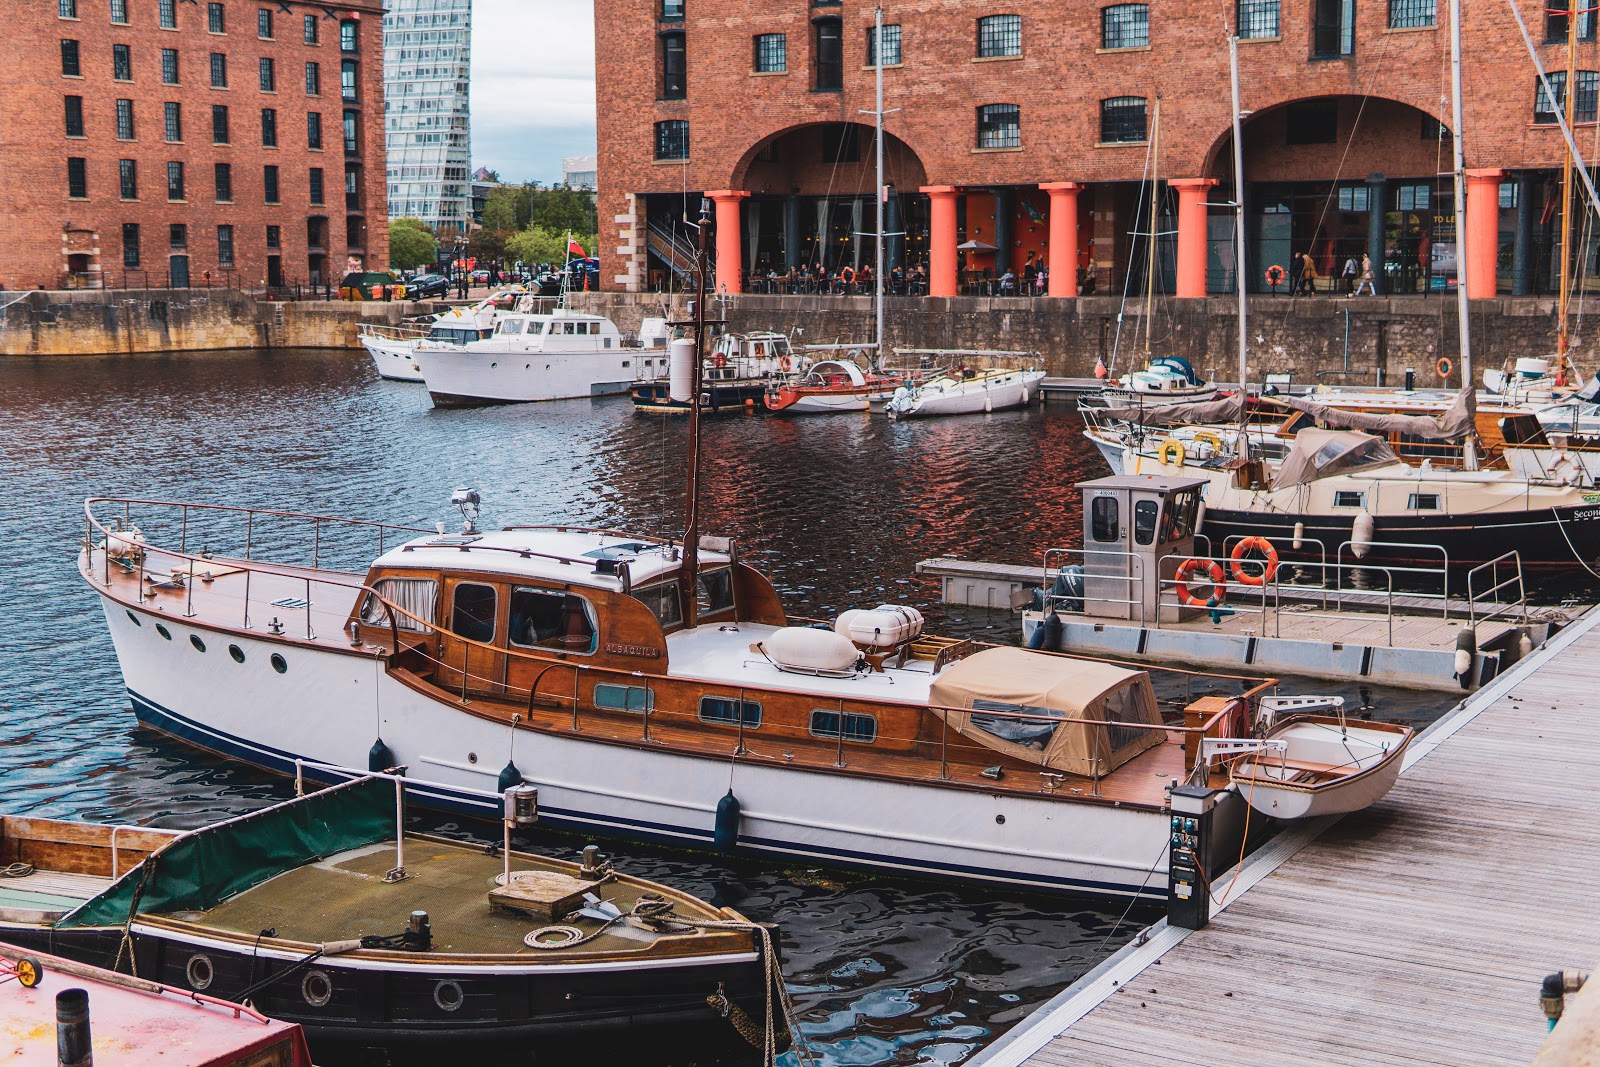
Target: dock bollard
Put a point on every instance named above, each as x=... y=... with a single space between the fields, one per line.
x=73 y=1046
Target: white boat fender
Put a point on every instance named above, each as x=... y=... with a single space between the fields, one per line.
x=803 y=648
x=379 y=758
x=1299 y=535
x=680 y=372
x=1466 y=652
x=1200 y=517
x=1361 y=535
x=885 y=626
x=1524 y=644
x=725 y=834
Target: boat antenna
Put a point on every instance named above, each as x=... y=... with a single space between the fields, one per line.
x=697 y=320
x=1469 y=448
x=1239 y=274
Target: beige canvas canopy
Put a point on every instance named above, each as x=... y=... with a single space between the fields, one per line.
x=1324 y=453
x=1011 y=694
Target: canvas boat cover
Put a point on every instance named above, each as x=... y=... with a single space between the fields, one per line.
x=1225 y=409
x=1113 y=702
x=1324 y=453
x=1458 y=421
x=204 y=867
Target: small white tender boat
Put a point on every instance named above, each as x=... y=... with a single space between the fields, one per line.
x=1311 y=765
x=965 y=391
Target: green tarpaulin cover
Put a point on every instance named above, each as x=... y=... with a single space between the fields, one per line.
x=205 y=867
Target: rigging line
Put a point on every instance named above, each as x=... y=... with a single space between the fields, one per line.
x=1561 y=119
x=1127 y=274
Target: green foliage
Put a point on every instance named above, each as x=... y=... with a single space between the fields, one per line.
x=410 y=243
x=500 y=209
x=537 y=244
x=563 y=208
x=487 y=246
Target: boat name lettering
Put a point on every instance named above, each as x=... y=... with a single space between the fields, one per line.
x=647 y=651
x=1586 y=513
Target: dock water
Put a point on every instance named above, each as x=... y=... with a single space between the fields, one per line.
x=1415 y=932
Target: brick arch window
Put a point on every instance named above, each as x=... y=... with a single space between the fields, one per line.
x=1585 y=108
x=999 y=35
x=1122 y=119
x=1125 y=26
x=672 y=139
x=999 y=126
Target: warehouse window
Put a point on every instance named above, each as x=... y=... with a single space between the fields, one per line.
x=1122 y=119
x=77 y=178
x=828 y=54
x=891 y=46
x=674 y=77
x=1407 y=14
x=999 y=35
x=999 y=126
x=672 y=139
x=1333 y=34
x=130 y=244
x=1125 y=26
x=772 y=53
x=1258 y=18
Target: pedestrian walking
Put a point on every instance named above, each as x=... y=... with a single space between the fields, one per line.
x=1308 y=275
x=1351 y=272
x=1368 y=281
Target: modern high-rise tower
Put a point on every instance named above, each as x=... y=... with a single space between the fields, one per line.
x=427 y=65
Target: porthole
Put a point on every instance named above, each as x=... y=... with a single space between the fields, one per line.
x=133 y=618
x=448 y=995
x=199 y=972
x=472 y=757
x=279 y=664
x=999 y=820
x=199 y=645
x=317 y=988
x=492 y=365
x=237 y=653
x=163 y=631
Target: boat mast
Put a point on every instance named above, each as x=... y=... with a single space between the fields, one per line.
x=1151 y=248
x=877 y=114
x=687 y=584
x=1469 y=449
x=1239 y=274
x=1562 y=340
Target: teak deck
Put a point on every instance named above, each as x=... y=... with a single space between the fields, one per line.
x=1413 y=933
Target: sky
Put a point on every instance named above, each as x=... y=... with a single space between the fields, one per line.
x=532 y=86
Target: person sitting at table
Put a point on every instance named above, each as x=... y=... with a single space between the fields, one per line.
x=1008 y=283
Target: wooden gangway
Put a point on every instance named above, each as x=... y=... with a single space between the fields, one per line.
x=1416 y=932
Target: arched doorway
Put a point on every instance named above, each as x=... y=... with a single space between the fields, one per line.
x=1338 y=177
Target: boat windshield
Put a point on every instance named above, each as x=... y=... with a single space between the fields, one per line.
x=415 y=596
x=509 y=326
x=662 y=600
x=716 y=590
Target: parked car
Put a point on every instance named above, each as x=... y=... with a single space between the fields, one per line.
x=480 y=277
x=426 y=285
x=370 y=285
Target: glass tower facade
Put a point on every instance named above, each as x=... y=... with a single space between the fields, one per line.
x=427 y=63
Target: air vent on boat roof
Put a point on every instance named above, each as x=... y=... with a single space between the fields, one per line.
x=454 y=540
x=622 y=551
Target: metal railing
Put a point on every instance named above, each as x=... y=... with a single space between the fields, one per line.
x=1511 y=564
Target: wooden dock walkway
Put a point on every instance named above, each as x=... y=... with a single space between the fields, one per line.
x=1412 y=933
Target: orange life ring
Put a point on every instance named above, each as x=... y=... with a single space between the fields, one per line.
x=1258 y=544
x=1274 y=275
x=784 y=363
x=1444 y=366
x=847 y=275
x=1213 y=571
x=719 y=360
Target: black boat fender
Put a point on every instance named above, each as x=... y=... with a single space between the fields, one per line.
x=379 y=758
x=725 y=833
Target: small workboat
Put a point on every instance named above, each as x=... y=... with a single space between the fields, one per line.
x=319 y=911
x=965 y=391
x=830 y=385
x=1312 y=765
x=735 y=376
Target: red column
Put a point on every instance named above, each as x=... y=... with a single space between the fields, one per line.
x=1192 y=234
x=941 y=239
x=1483 y=231
x=1063 y=260
x=730 y=246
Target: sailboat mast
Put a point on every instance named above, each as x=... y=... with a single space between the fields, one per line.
x=877 y=113
x=1562 y=341
x=1463 y=322
x=688 y=584
x=1239 y=274
x=1151 y=250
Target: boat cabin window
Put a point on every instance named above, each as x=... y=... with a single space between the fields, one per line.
x=662 y=600
x=716 y=591
x=509 y=326
x=550 y=618
x=1019 y=724
x=1348 y=498
x=1103 y=519
x=624 y=698
x=1422 y=502
x=730 y=710
x=862 y=729
x=415 y=596
x=1144 y=521
x=1182 y=511
x=474 y=612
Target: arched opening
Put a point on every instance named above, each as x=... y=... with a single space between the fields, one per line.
x=1337 y=177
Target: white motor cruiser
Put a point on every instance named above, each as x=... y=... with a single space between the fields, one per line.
x=392 y=347
x=965 y=391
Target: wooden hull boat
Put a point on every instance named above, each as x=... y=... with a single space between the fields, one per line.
x=830 y=386
x=628 y=720
x=1321 y=765
x=965 y=392
x=309 y=909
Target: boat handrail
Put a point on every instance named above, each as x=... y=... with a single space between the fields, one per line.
x=405 y=331
x=1133 y=582
x=1513 y=560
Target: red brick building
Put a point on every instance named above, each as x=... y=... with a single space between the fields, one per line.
x=185 y=142
x=1026 y=132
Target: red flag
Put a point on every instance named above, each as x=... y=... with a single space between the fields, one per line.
x=574 y=248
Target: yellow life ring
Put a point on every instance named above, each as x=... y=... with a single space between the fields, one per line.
x=1171 y=451
x=1207 y=437
x=1444 y=366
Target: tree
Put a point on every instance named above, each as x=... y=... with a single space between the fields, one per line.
x=537 y=244
x=500 y=209
x=487 y=246
x=410 y=243
x=564 y=208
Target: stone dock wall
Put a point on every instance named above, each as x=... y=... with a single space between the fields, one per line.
x=1305 y=337
x=97 y=322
